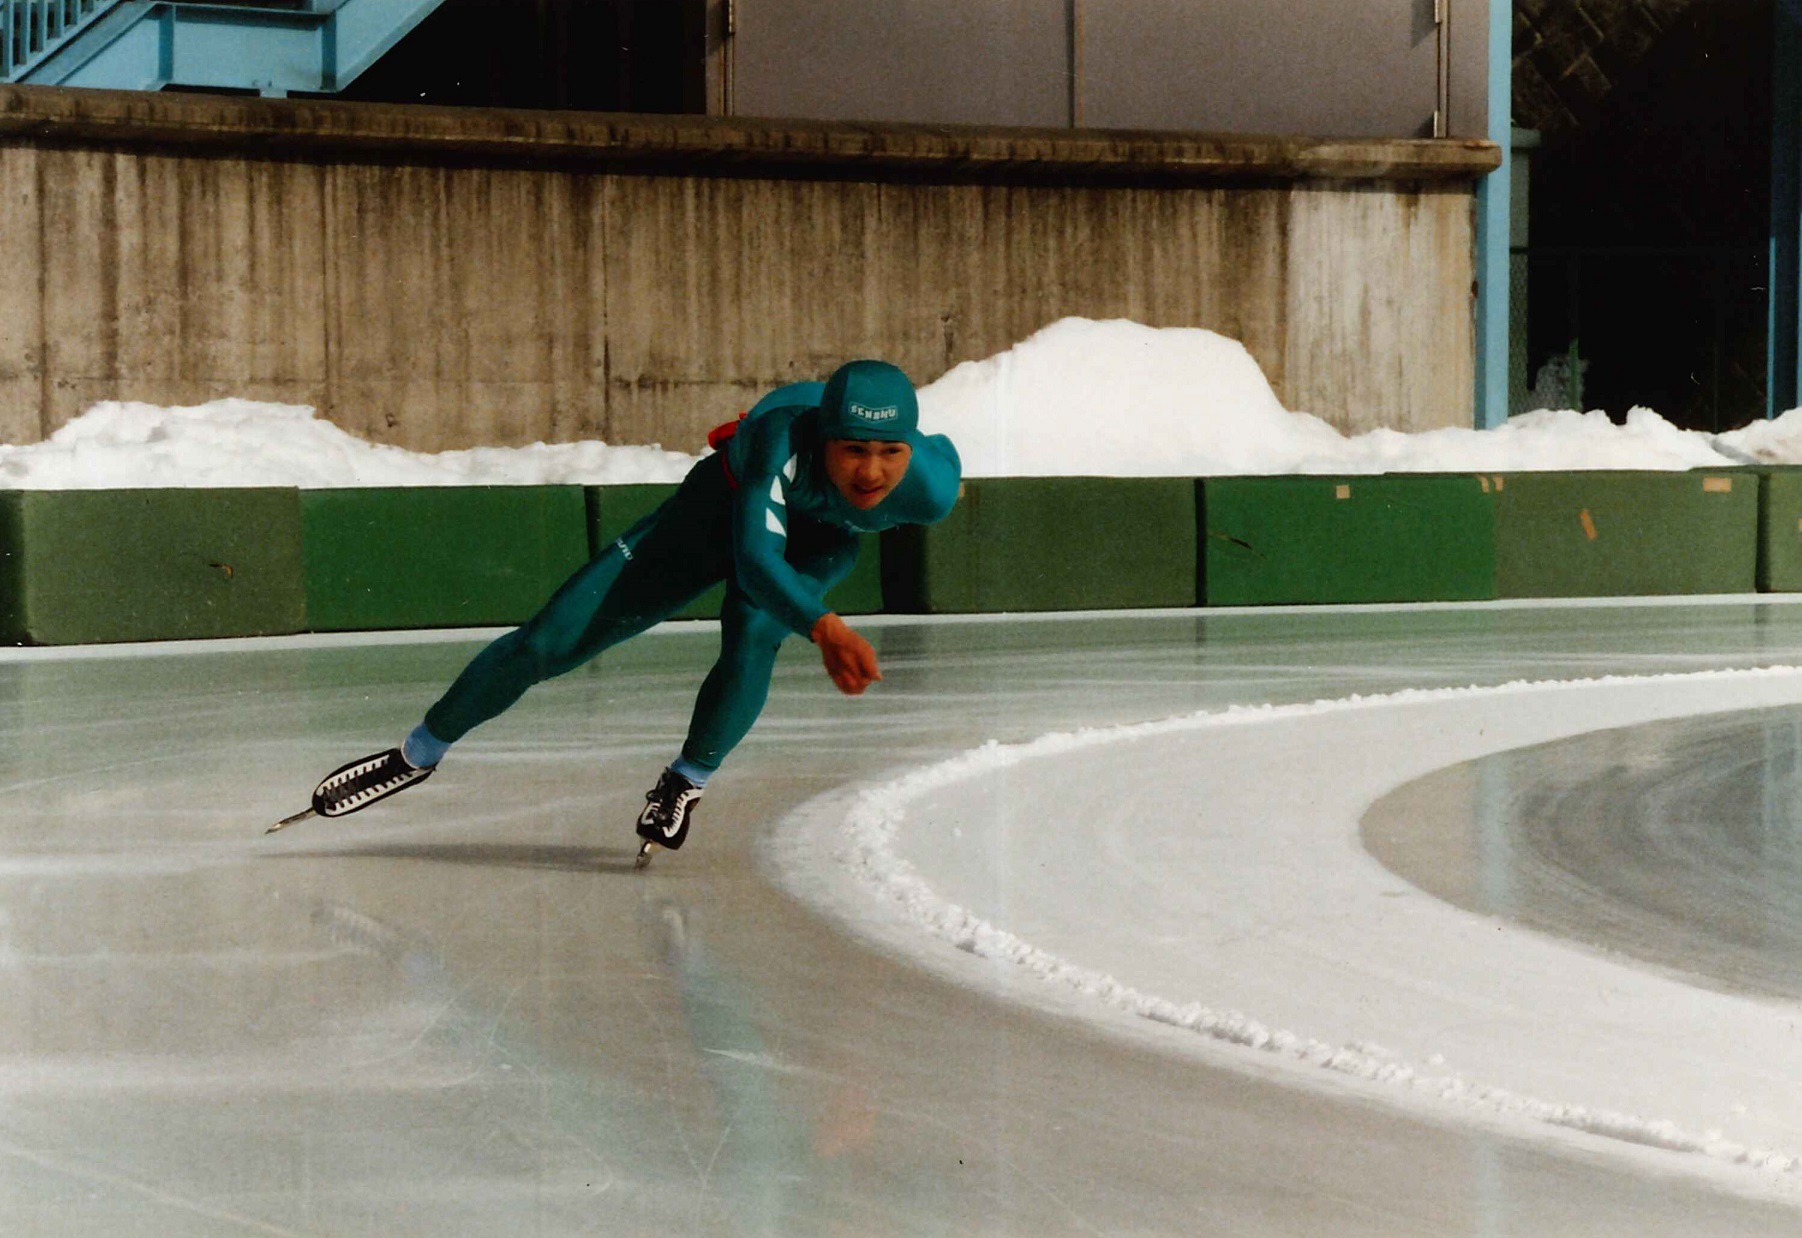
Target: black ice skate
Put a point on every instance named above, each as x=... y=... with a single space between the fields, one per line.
x=358 y=785
x=667 y=809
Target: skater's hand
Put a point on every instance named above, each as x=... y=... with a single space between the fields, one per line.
x=849 y=658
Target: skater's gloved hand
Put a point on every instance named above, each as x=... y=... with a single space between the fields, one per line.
x=849 y=658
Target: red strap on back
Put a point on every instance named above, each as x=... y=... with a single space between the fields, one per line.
x=718 y=437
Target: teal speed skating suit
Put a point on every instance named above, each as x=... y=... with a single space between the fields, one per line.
x=760 y=515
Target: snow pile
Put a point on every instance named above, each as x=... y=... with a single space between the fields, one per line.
x=1778 y=441
x=244 y=443
x=1532 y=442
x=1077 y=398
x=1117 y=399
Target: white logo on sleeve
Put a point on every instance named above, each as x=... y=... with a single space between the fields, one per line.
x=776 y=493
x=772 y=524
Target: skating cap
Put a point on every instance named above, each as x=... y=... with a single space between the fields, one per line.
x=869 y=400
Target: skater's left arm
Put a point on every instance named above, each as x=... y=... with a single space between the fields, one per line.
x=925 y=496
x=850 y=659
x=760 y=532
x=760 y=541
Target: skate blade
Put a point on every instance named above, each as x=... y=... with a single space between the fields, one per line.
x=646 y=850
x=285 y=822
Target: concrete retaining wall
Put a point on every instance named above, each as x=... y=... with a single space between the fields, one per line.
x=440 y=278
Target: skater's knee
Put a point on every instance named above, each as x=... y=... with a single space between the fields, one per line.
x=748 y=663
x=755 y=636
x=534 y=653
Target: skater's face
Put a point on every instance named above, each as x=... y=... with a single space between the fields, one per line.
x=864 y=471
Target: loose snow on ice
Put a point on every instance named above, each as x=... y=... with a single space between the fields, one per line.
x=1079 y=397
x=1289 y=877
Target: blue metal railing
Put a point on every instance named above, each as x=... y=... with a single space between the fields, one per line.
x=32 y=29
x=271 y=46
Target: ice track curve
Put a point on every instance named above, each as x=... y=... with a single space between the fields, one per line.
x=1206 y=873
x=462 y=1013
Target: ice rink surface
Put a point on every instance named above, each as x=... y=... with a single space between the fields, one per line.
x=462 y=1013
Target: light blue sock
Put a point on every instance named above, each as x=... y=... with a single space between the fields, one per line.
x=421 y=748
x=697 y=774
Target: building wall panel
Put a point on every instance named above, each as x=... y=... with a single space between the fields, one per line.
x=1329 y=67
x=439 y=279
x=178 y=280
x=1367 y=297
x=23 y=237
x=1000 y=62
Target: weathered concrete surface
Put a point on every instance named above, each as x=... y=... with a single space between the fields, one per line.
x=442 y=278
x=710 y=142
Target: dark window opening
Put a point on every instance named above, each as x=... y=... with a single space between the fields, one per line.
x=582 y=55
x=1650 y=208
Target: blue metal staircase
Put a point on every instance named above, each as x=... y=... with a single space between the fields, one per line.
x=33 y=29
x=273 y=47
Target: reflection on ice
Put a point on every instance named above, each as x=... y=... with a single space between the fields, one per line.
x=458 y=1013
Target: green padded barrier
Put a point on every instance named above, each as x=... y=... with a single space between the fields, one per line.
x=1603 y=534
x=1307 y=539
x=614 y=509
x=1049 y=543
x=437 y=556
x=87 y=566
x=1780 y=530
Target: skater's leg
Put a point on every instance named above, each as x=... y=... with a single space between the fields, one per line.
x=550 y=643
x=664 y=562
x=730 y=699
x=734 y=692
x=422 y=749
